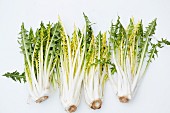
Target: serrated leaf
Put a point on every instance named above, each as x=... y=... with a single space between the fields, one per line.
x=16 y=76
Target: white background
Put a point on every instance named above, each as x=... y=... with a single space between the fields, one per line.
x=153 y=95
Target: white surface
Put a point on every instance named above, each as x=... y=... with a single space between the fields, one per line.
x=153 y=94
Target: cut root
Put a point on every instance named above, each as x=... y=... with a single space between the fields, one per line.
x=96 y=104
x=41 y=99
x=72 y=108
x=124 y=99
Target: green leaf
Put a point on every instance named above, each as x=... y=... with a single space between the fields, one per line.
x=16 y=76
x=153 y=51
x=89 y=31
x=150 y=30
x=165 y=41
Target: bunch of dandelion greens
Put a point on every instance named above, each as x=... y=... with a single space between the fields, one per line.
x=72 y=55
x=131 y=51
x=96 y=68
x=52 y=58
x=41 y=59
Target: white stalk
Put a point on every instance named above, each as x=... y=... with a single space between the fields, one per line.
x=39 y=67
x=130 y=72
x=71 y=74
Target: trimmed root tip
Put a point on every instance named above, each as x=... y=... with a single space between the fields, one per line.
x=123 y=99
x=96 y=104
x=72 y=108
x=41 y=99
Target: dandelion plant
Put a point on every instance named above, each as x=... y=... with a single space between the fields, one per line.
x=132 y=50
x=96 y=67
x=41 y=57
x=72 y=68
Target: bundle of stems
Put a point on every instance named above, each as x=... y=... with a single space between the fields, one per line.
x=96 y=67
x=131 y=51
x=72 y=54
x=41 y=60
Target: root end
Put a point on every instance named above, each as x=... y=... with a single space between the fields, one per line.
x=96 y=104
x=72 y=108
x=124 y=99
x=41 y=99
